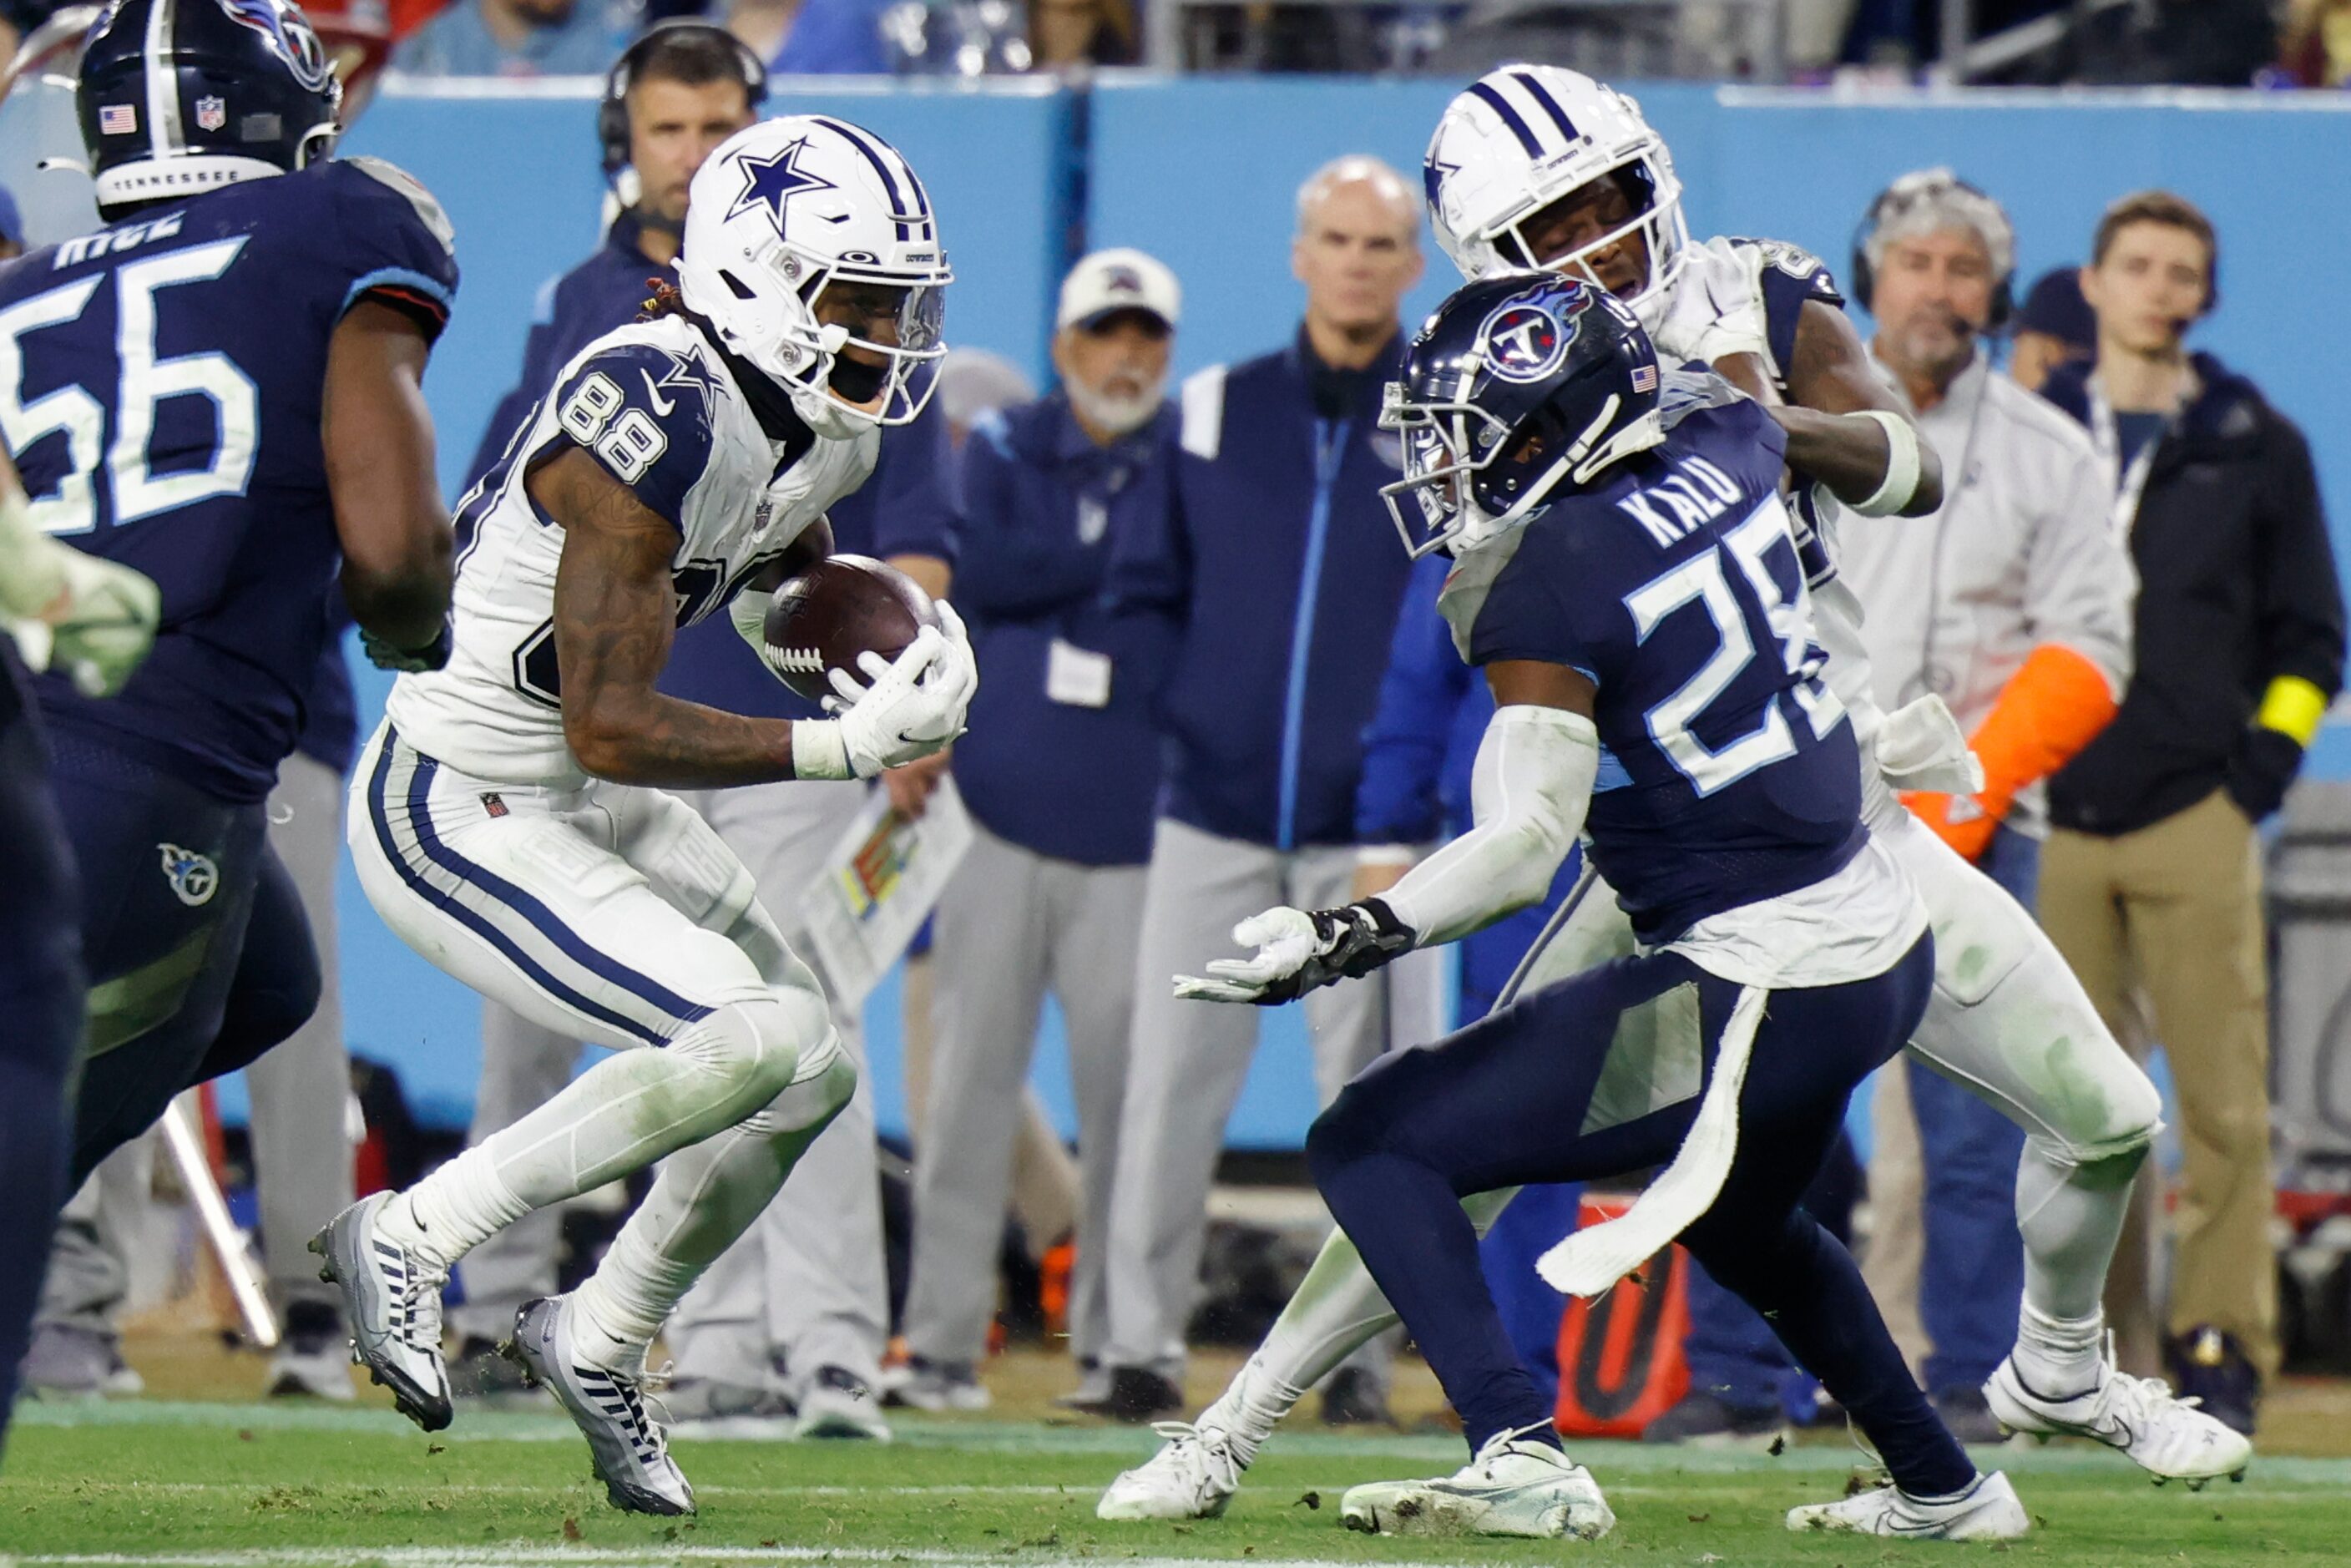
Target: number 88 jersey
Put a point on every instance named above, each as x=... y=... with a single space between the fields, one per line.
x=160 y=391
x=664 y=412
x=1728 y=772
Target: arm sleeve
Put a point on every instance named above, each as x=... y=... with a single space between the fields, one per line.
x=1397 y=798
x=1529 y=791
x=1010 y=567
x=2302 y=596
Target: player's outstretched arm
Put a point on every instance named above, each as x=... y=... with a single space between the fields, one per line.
x=379 y=449
x=1875 y=463
x=615 y=611
x=1529 y=790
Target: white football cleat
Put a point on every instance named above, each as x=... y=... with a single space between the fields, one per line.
x=2163 y=1434
x=1516 y=1486
x=1987 y=1511
x=629 y=1448
x=1193 y=1476
x=391 y=1300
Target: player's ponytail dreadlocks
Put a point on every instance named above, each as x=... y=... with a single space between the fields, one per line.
x=663 y=299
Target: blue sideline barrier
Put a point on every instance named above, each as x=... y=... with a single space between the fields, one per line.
x=1203 y=173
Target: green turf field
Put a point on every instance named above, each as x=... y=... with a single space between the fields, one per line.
x=231 y=1485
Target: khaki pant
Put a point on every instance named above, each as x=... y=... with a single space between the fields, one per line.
x=2164 y=927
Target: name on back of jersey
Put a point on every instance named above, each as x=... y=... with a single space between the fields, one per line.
x=1696 y=493
x=116 y=240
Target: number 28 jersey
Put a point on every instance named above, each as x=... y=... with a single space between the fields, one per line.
x=660 y=410
x=160 y=391
x=1728 y=771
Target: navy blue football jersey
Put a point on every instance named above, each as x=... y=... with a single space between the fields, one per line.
x=160 y=385
x=1728 y=772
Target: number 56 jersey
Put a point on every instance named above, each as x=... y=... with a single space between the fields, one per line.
x=664 y=412
x=161 y=385
x=1728 y=770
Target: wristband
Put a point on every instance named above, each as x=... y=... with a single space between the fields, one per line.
x=2293 y=708
x=1902 y=463
x=819 y=751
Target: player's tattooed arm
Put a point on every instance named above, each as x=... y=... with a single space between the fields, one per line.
x=1831 y=377
x=377 y=441
x=615 y=616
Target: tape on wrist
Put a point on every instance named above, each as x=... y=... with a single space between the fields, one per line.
x=1902 y=463
x=819 y=751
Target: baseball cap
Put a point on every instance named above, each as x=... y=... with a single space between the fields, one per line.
x=2056 y=306
x=12 y=226
x=1113 y=280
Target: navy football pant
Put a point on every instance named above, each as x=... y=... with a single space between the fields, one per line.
x=1504 y=1104
x=198 y=951
x=40 y=1021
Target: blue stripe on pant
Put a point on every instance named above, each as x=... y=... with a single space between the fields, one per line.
x=415 y=813
x=1497 y=1104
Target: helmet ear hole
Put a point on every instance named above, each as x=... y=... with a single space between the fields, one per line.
x=742 y=290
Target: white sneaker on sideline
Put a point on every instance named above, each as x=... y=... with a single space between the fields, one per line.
x=1987 y=1511
x=2163 y=1434
x=1193 y=1476
x=1516 y=1486
x=839 y=1404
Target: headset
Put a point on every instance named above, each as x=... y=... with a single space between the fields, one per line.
x=612 y=114
x=1915 y=187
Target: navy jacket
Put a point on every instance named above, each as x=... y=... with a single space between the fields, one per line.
x=2237 y=586
x=1276 y=574
x=902 y=510
x=1042 y=509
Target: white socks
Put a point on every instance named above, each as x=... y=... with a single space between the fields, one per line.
x=455 y=1208
x=2060 y=1357
x=2071 y=1216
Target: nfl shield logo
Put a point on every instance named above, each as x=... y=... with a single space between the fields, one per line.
x=211 y=113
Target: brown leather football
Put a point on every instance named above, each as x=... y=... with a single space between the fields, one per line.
x=842 y=606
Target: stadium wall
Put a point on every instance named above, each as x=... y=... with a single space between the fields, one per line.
x=1203 y=173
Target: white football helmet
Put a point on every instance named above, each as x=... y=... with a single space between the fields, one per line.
x=782 y=211
x=1524 y=136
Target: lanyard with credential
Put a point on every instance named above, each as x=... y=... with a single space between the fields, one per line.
x=2105 y=439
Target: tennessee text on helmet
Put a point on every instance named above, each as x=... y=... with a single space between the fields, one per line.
x=179 y=97
x=1518 y=386
x=784 y=211
x=1522 y=138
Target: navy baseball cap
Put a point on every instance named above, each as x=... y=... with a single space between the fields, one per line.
x=2055 y=307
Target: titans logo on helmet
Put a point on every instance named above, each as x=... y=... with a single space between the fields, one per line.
x=769 y=182
x=291 y=31
x=1527 y=338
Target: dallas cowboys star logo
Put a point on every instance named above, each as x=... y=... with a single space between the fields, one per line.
x=690 y=371
x=1432 y=171
x=769 y=182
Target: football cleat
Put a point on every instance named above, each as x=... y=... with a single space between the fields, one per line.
x=629 y=1448
x=1516 y=1486
x=1986 y=1510
x=1193 y=1476
x=391 y=1300
x=2164 y=1434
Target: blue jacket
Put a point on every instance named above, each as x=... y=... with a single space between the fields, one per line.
x=902 y=510
x=1277 y=574
x=1042 y=509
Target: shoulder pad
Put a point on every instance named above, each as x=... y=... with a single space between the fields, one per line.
x=647 y=413
x=428 y=209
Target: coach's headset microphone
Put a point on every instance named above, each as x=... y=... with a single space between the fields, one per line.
x=612 y=113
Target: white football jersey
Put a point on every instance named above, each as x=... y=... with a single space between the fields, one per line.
x=655 y=405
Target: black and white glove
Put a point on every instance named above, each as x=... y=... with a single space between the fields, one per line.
x=1299 y=950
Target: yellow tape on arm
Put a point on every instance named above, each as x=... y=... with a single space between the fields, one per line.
x=2293 y=708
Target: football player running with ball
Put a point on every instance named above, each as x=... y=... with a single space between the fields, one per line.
x=1634 y=596
x=1536 y=166
x=509 y=818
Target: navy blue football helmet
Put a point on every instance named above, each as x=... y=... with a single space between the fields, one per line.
x=180 y=97
x=1520 y=387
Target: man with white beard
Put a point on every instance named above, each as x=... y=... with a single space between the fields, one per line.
x=1060 y=793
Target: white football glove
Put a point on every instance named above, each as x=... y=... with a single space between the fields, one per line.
x=911 y=707
x=1299 y=950
x=91 y=619
x=1717 y=309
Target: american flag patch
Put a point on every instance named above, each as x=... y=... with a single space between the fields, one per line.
x=118 y=120
x=1645 y=377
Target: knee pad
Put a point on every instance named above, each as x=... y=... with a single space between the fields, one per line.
x=760 y=1046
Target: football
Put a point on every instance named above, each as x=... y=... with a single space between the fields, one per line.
x=844 y=605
